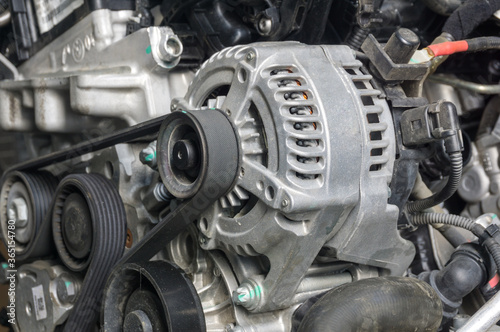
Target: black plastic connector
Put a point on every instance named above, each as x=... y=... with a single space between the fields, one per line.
x=492 y=231
x=434 y=122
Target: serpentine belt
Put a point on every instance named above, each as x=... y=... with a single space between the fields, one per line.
x=220 y=159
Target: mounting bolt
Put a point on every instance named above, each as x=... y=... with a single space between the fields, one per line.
x=66 y=288
x=18 y=211
x=250 y=56
x=170 y=48
x=148 y=155
x=285 y=203
x=247 y=295
x=203 y=239
x=265 y=26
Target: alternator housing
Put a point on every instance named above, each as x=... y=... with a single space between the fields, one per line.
x=318 y=146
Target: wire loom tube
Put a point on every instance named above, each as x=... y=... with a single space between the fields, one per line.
x=386 y=304
x=448 y=190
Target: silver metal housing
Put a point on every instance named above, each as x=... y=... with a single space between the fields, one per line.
x=318 y=147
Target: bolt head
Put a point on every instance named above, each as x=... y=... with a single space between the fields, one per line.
x=250 y=56
x=285 y=203
x=18 y=211
x=241 y=295
x=66 y=289
x=265 y=26
x=148 y=156
x=170 y=48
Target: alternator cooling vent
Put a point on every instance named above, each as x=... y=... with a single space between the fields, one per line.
x=302 y=122
x=376 y=126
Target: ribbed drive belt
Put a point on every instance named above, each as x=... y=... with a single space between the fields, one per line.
x=220 y=162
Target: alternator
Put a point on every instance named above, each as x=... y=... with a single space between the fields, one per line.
x=317 y=148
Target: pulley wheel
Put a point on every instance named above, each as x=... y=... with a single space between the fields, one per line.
x=151 y=296
x=25 y=199
x=190 y=141
x=76 y=210
x=89 y=226
x=76 y=226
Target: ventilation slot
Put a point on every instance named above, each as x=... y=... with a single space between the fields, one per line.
x=306 y=176
x=372 y=118
x=308 y=143
x=288 y=83
x=301 y=110
x=302 y=121
x=376 y=129
x=367 y=101
x=280 y=71
x=360 y=85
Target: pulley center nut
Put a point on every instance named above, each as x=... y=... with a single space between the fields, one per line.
x=18 y=211
x=185 y=154
x=77 y=226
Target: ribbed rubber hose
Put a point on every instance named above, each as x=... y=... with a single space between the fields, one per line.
x=449 y=189
x=384 y=304
x=491 y=245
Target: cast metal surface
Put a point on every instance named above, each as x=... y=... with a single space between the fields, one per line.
x=93 y=71
x=45 y=295
x=299 y=187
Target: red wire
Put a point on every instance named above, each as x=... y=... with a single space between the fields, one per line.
x=449 y=48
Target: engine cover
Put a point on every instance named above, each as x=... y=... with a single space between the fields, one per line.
x=317 y=148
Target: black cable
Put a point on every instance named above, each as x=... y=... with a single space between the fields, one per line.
x=494 y=250
x=483 y=44
x=449 y=189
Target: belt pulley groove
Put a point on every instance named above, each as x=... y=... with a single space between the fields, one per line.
x=108 y=235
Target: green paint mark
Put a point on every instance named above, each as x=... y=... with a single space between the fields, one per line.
x=495 y=216
x=67 y=283
x=414 y=61
x=5 y=265
x=148 y=49
x=150 y=156
x=241 y=296
x=184 y=112
x=258 y=290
